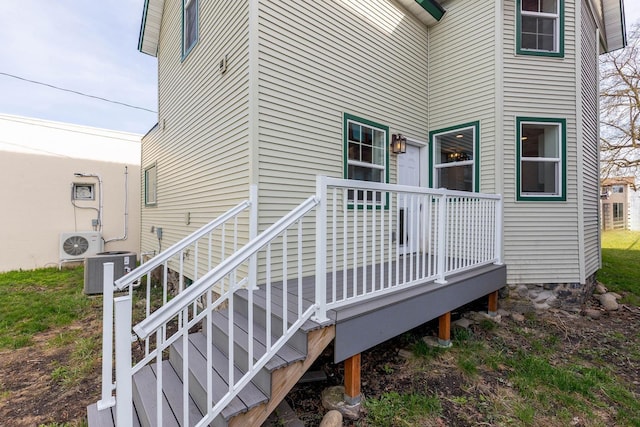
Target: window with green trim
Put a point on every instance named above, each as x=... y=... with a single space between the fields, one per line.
x=541 y=158
x=189 y=25
x=454 y=157
x=540 y=27
x=366 y=154
x=150 y=185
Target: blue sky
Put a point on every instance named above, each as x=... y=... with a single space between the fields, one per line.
x=86 y=45
x=89 y=46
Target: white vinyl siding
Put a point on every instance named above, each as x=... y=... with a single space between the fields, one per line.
x=590 y=141
x=319 y=60
x=462 y=78
x=541 y=239
x=201 y=141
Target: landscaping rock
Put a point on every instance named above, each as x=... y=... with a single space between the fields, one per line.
x=523 y=291
x=544 y=296
x=553 y=301
x=463 y=323
x=517 y=317
x=593 y=313
x=615 y=295
x=600 y=289
x=332 y=418
x=541 y=306
x=333 y=399
x=608 y=301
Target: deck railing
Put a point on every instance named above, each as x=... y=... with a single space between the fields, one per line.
x=152 y=284
x=194 y=307
x=370 y=239
x=375 y=238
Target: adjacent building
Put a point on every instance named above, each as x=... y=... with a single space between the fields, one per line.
x=68 y=191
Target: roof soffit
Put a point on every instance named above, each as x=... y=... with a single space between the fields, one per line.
x=150 y=28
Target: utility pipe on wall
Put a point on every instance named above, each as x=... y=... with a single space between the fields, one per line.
x=126 y=209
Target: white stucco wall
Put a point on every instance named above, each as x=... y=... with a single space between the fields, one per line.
x=38 y=160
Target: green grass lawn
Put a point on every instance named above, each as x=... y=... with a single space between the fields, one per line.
x=620 y=270
x=35 y=301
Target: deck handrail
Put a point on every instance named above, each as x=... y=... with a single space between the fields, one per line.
x=378 y=186
x=168 y=311
x=162 y=259
x=174 y=249
x=184 y=309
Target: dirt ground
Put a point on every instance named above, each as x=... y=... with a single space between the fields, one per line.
x=30 y=397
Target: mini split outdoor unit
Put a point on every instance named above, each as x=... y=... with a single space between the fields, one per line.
x=79 y=245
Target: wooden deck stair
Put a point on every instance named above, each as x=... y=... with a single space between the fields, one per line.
x=256 y=401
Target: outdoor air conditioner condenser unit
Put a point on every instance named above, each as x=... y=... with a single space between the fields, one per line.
x=79 y=244
x=123 y=262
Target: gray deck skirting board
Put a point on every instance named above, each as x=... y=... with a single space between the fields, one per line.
x=362 y=326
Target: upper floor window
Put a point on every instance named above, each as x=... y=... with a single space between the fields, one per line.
x=541 y=163
x=540 y=27
x=189 y=25
x=617 y=188
x=454 y=157
x=150 y=185
x=366 y=152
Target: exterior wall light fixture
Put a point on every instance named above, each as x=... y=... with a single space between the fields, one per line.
x=398 y=144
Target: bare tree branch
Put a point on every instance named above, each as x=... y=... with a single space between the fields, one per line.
x=620 y=109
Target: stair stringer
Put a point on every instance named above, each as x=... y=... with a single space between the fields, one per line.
x=283 y=379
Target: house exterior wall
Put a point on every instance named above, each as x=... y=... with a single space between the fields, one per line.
x=461 y=78
x=590 y=137
x=201 y=144
x=276 y=117
x=317 y=61
x=634 y=210
x=541 y=239
x=38 y=160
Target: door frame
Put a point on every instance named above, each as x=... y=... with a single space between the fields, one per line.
x=423 y=176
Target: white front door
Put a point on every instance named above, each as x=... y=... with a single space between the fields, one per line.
x=409 y=213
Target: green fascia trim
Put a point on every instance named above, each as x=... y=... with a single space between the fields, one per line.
x=190 y=48
x=345 y=132
x=561 y=197
x=520 y=51
x=144 y=23
x=476 y=148
x=433 y=8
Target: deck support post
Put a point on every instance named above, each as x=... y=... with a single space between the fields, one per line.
x=352 y=395
x=493 y=304
x=444 y=330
